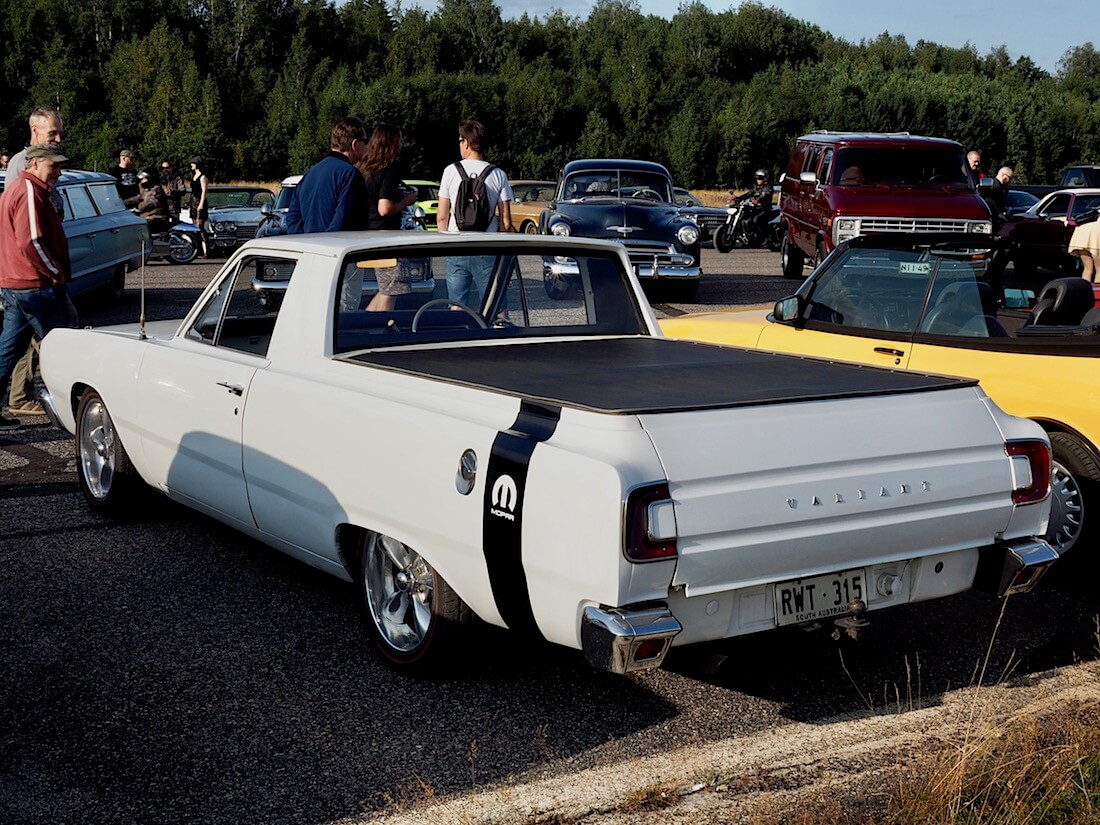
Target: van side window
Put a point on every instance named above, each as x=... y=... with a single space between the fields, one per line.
x=79 y=203
x=106 y=198
x=826 y=166
x=812 y=158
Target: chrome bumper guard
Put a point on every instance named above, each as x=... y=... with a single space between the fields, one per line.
x=621 y=640
x=46 y=400
x=677 y=266
x=1013 y=566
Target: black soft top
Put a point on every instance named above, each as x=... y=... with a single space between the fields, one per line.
x=637 y=375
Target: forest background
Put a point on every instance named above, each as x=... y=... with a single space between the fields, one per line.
x=253 y=86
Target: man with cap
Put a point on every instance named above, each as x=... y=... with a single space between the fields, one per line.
x=36 y=273
x=126 y=175
x=45 y=127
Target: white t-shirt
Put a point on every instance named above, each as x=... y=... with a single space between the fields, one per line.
x=496 y=184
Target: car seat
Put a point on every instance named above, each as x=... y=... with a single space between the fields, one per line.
x=1063 y=302
x=965 y=308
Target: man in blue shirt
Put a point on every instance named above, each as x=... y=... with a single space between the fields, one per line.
x=332 y=195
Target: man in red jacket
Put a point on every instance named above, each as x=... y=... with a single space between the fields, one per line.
x=34 y=253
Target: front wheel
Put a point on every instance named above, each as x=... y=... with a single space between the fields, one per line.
x=183 y=247
x=530 y=228
x=107 y=478
x=791 y=258
x=412 y=614
x=1073 y=496
x=723 y=238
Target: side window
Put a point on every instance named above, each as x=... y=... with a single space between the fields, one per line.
x=241 y=313
x=872 y=290
x=1085 y=203
x=263 y=198
x=79 y=203
x=106 y=198
x=812 y=158
x=1058 y=207
x=961 y=303
x=826 y=166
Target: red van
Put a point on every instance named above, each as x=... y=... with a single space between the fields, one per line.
x=842 y=184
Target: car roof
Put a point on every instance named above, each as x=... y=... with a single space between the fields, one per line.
x=604 y=164
x=1075 y=190
x=880 y=139
x=293 y=180
x=77 y=176
x=531 y=183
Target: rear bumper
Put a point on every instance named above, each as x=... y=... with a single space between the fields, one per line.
x=47 y=402
x=624 y=639
x=1013 y=566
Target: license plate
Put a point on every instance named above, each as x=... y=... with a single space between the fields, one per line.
x=818 y=597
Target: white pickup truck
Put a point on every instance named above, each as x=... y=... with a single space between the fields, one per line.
x=549 y=464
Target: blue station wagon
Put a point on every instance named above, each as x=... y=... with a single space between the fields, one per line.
x=105 y=238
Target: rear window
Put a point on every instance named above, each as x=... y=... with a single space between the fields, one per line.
x=900 y=166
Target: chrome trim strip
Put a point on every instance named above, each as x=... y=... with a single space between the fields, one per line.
x=46 y=400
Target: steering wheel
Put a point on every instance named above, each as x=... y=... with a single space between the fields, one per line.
x=437 y=301
x=874 y=315
x=648 y=194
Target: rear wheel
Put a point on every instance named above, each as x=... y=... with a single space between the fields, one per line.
x=791 y=258
x=107 y=478
x=183 y=247
x=412 y=614
x=1074 y=494
x=819 y=255
x=530 y=228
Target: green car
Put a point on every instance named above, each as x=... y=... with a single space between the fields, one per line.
x=427 y=198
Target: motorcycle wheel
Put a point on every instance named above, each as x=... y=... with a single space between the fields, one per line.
x=182 y=248
x=723 y=238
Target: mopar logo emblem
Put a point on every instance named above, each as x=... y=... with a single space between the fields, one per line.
x=504 y=497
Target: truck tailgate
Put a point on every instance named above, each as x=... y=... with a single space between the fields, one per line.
x=830 y=485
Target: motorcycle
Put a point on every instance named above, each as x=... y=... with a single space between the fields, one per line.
x=177 y=243
x=739 y=231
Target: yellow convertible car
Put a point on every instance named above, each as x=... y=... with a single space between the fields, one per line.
x=946 y=304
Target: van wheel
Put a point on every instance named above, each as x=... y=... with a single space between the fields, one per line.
x=791 y=258
x=1074 y=503
x=117 y=286
x=819 y=255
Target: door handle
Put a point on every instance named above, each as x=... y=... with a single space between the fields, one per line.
x=115 y=231
x=90 y=237
x=897 y=353
x=236 y=389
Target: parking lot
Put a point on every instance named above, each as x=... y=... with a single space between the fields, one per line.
x=168 y=669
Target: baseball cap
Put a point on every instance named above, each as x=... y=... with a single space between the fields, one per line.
x=125 y=153
x=49 y=151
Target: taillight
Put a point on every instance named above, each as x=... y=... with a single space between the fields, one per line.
x=649 y=529
x=1037 y=454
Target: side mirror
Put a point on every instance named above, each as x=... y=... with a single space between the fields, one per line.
x=789 y=310
x=808 y=177
x=265 y=209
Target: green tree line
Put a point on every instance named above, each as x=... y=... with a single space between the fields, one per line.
x=253 y=85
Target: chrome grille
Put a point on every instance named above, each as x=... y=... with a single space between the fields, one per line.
x=912 y=225
x=246 y=233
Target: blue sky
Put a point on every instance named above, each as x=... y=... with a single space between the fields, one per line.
x=1041 y=29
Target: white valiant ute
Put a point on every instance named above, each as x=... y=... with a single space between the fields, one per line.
x=544 y=459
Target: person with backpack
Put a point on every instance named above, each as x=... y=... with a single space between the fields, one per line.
x=474 y=196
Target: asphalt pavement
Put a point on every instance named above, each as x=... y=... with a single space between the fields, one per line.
x=168 y=669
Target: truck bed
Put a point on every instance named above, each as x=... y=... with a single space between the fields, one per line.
x=631 y=376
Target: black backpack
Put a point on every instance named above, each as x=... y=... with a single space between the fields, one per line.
x=473 y=213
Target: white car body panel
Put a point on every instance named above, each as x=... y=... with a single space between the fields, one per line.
x=313 y=442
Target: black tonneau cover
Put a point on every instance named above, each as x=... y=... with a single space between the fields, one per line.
x=648 y=375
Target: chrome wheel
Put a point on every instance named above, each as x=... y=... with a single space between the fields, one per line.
x=182 y=248
x=1066 y=509
x=97 y=450
x=399 y=587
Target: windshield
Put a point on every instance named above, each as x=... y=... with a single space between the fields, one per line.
x=238 y=198
x=900 y=166
x=614 y=183
x=283 y=201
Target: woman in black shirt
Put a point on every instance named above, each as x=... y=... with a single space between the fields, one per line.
x=386 y=197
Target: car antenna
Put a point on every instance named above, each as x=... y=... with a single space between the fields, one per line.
x=141 y=311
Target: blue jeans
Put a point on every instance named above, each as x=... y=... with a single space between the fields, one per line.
x=27 y=313
x=463 y=271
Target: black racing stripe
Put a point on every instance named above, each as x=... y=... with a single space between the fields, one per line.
x=502 y=535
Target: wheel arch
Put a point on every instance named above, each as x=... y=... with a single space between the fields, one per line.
x=1051 y=426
